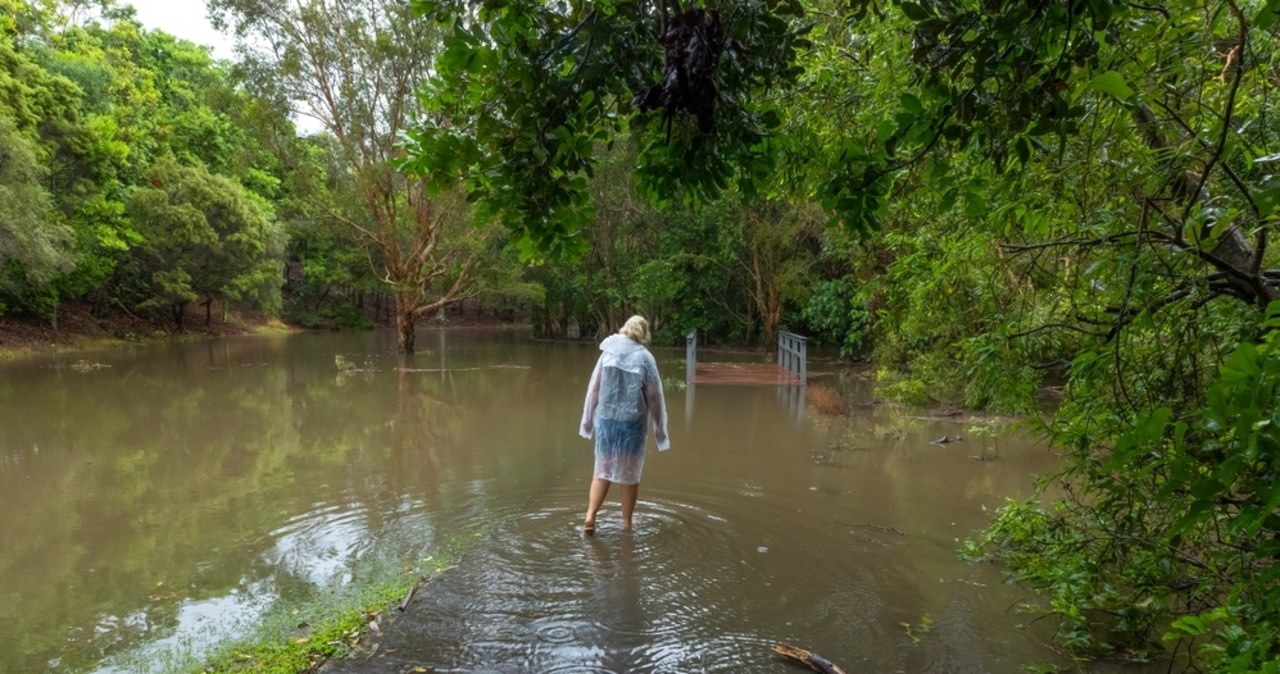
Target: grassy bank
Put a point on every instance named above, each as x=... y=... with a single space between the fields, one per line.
x=293 y=639
x=82 y=327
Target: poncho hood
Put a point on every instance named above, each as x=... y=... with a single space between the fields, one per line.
x=620 y=345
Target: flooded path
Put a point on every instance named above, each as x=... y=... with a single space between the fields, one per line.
x=157 y=501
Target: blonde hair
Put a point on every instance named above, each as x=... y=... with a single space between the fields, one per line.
x=637 y=328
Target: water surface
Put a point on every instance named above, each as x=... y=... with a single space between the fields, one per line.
x=156 y=501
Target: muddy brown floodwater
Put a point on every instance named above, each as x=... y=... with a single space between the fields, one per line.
x=158 y=501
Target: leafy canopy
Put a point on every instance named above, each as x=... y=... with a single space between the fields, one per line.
x=526 y=93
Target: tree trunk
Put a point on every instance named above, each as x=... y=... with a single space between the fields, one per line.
x=208 y=311
x=1233 y=253
x=179 y=310
x=405 y=321
x=771 y=318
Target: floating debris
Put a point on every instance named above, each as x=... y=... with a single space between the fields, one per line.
x=808 y=658
x=83 y=365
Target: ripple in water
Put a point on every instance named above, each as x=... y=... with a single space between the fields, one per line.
x=578 y=669
x=674 y=595
x=319 y=544
x=556 y=632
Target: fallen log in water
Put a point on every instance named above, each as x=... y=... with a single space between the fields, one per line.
x=809 y=659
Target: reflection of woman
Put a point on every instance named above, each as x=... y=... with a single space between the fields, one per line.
x=625 y=389
x=618 y=605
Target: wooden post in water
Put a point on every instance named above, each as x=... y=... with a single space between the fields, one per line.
x=690 y=355
x=690 y=363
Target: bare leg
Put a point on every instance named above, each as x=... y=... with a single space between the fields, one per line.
x=630 y=492
x=599 y=488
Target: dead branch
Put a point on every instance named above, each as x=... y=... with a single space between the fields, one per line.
x=808 y=658
x=412 y=592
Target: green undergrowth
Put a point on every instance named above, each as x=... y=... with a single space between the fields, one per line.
x=299 y=638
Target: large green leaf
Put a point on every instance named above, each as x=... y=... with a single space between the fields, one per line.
x=1113 y=84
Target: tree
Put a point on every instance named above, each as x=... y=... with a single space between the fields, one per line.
x=32 y=241
x=1117 y=152
x=1006 y=80
x=101 y=99
x=205 y=236
x=34 y=233
x=1087 y=182
x=354 y=68
x=775 y=258
x=524 y=92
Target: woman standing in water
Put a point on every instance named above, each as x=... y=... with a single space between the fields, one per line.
x=625 y=390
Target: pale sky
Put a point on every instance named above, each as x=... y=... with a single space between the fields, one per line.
x=188 y=20
x=185 y=19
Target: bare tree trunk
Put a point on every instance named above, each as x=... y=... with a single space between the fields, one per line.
x=771 y=317
x=406 y=320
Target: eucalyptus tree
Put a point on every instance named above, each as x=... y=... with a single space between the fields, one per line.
x=354 y=68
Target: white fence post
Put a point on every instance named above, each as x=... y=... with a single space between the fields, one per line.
x=690 y=355
x=793 y=355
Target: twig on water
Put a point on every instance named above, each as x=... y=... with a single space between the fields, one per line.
x=809 y=659
x=412 y=591
x=889 y=530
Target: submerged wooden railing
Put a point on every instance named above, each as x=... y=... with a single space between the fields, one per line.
x=790 y=370
x=793 y=355
x=788 y=374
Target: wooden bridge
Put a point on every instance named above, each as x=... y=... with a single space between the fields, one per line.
x=790 y=370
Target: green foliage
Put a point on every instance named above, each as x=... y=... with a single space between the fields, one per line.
x=729 y=271
x=895 y=387
x=349 y=316
x=33 y=234
x=87 y=106
x=31 y=237
x=1193 y=496
x=525 y=93
x=998 y=375
x=205 y=236
x=337 y=627
x=835 y=316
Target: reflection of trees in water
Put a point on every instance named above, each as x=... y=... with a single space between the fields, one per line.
x=423 y=420
x=171 y=476
x=148 y=477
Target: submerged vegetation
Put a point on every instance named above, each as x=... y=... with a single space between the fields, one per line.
x=979 y=198
x=297 y=640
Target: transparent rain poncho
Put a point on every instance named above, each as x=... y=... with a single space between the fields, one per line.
x=625 y=391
